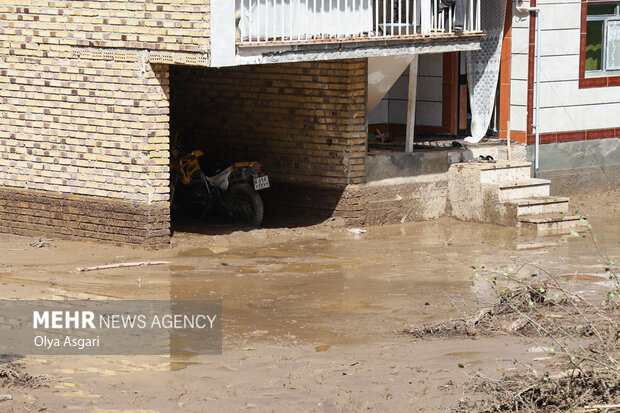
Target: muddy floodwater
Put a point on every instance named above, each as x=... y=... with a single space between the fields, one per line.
x=311 y=314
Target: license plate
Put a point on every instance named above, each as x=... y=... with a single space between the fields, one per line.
x=261 y=182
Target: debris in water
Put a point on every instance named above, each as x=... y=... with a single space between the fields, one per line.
x=41 y=243
x=356 y=231
x=15 y=375
x=121 y=265
x=504 y=316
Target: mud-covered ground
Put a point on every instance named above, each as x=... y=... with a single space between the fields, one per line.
x=313 y=315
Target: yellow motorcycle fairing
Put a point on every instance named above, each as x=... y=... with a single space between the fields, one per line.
x=188 y=165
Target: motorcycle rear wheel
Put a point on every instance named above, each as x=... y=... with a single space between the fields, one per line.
x=245 y=204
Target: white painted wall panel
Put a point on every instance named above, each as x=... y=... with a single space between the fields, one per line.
x=560 y=42
x=560 y=15
x=519 y=71
x=559 y=68
x=518 y=67
x=520 y=40
x=555 y=94
x=518 y=117
x=398 y=111
x=518 y=93
x=577 y=118
x=393 y=108
x=431 y=64
x=400 y=89
x=379 y=114
x=430 y=112
x=430 y=89
x=520 y=19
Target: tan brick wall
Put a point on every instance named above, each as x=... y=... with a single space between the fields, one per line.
x=55 y=27
x=84 y=107
x=306 y=122
x=85 y=127
x=87 y=218
x=98 y=129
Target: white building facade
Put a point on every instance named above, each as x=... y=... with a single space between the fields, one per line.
x=578 y=82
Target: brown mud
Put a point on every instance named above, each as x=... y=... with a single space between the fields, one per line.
x=312 y=314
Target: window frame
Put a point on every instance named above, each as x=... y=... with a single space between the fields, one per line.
x=605 y=18
x=597 y=78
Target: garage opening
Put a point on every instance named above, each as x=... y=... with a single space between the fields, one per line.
x=304 y=122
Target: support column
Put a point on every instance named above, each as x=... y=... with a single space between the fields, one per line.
x=413 y=89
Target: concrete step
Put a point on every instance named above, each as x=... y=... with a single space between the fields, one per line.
x=500 y=171
x=523 y=188
x=540 y=205
x=553 y=223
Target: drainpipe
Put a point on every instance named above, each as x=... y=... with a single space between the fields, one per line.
x=536 y=125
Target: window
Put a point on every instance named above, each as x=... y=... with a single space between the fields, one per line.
x=602 y=52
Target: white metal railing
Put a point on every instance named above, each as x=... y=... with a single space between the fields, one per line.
x=261 y=21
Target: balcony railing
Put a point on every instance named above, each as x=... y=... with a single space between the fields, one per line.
x=303 y=21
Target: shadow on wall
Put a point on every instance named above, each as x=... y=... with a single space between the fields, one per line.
x=421 y=163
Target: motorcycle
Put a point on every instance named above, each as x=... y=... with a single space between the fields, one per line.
x=199 y=187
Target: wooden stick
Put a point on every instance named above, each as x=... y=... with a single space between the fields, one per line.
x=121 y=265
x=600 y=407
x=508 y=141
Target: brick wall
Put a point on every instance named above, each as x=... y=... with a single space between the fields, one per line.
x=306 y=122
x=87 y=218
x=84 y=127
x=84 y=113
x=58 y=28
x=97 y=130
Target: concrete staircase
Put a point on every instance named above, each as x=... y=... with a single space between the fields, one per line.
x=504 y=193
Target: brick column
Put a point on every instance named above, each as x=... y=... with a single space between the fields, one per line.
x=84 y=149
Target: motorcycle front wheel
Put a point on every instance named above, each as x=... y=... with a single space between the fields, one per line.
x=245 y=204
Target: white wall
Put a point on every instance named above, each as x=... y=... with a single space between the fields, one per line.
x=519 y=70
x=564 y=107
x=430 y=90
x=393 y=107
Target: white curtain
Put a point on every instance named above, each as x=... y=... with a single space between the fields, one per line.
x=483 y=68
x=613 y=45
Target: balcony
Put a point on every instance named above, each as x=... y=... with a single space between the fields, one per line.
x=268 y=22
x=276 y=31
